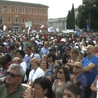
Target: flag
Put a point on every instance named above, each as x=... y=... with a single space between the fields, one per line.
x=41 y=26
x=4 y=27
x=49 y=30
x=33 y=30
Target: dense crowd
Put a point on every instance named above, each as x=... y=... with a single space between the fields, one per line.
x=48 y=65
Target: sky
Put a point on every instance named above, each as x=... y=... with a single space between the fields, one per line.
x=57 y=8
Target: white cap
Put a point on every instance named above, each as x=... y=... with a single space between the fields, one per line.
x=63 y=40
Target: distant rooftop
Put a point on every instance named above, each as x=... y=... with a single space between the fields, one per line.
x=22 y=3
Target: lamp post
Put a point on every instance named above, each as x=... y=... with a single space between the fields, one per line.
x=89 y=17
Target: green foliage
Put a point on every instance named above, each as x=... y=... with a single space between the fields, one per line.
x=88 y=12
x=71 y=19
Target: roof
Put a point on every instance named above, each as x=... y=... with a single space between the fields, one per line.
x=22 y=3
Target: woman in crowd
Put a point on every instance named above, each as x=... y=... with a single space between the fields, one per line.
x=44 y=65
x=72 y=91
x=42 y=89
x=62 y=81
x=74 y=56
x=36 y=71
x=4 y=60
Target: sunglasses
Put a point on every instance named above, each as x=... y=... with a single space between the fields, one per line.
x=77 y=66
x=60 y=72
x=12 y=75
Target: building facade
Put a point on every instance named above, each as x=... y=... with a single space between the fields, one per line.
x=59 y=23
x=15 y=14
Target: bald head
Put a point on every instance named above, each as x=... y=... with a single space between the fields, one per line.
x=90 y=50
x=79 y=64
x=77 y=68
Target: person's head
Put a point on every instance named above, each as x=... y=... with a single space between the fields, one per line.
x=28 y=50
x=5 y=60
x=51 y=57
x=63 y=73
x=43 y=88
x=33 y=50
x=74 y=53
x=62 y=42
x=20 y=54
x=44 y=64
x=45 y=44
x=12 y=50
x=16 y=60
x=77 y=67
x=90 y=49
x=14 y=74
x=72 y=91
x=50 y=43
x=96 y=49
x=35 y=62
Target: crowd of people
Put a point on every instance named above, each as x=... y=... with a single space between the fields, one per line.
x=48 y=65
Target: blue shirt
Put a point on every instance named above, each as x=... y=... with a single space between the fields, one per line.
x=83 y=80
x=86 y=61
x=44 y=51
x=52 y=68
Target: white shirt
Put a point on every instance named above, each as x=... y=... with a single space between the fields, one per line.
x=35 y=74
x=23 y=65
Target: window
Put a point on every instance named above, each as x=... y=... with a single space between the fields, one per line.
x=29 y=10
x=40 y=11
x=9 y=9
x=35 y=20
x=45 y=11
x=16 y=9
x=9 y=19
x=35 y=11
x=2 y=19
x=23 y=10
x=23 y=20
x=40 y=21
x=16 y=19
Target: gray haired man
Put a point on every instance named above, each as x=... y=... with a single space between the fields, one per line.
x=13 y=87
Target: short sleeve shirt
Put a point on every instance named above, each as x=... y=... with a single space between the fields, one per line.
x=16 y=94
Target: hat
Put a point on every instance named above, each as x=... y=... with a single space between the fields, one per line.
x=63 y=40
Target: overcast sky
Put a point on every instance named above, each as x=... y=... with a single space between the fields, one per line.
x=57 y=8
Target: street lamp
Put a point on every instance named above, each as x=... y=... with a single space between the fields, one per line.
x=88 y=24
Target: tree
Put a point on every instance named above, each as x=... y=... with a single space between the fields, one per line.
x=71 y=19
x=88 y=11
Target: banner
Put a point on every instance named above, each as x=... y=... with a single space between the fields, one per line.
x=28 y=24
